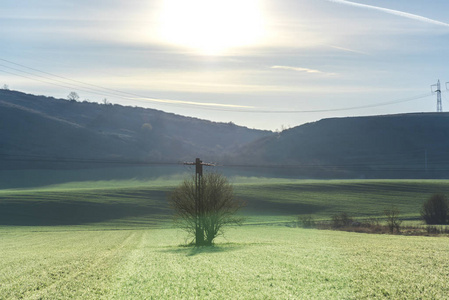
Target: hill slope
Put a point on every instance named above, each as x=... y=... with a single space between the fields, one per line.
x=35 y=128
x=35 y=131
x=405 y=145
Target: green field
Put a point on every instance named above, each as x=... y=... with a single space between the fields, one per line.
x=253 y=262
x=115 y=240
x=142 y=204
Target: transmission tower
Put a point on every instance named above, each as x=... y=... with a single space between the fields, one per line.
x=436 y=88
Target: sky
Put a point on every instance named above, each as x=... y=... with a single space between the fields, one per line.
x=265 y=64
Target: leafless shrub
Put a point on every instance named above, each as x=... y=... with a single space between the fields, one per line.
x=306 y=222
x=204 y=207
x=393 y=221
x=341 y=220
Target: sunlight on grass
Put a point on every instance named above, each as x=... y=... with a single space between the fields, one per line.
x=168 y=181
x=256 y=262
x=128 y=203
x=115 y=240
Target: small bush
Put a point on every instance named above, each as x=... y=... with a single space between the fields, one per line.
x=393 y=221
x=204 y=212
x=437 y=229
x=341 y=220
x=435 y=210
x=374 y=225
x=306 y=222
x=433 y=230
x=373 y=222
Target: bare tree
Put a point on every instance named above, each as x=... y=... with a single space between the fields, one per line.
x=73 y=96
x=393 y=221
x=203 y=207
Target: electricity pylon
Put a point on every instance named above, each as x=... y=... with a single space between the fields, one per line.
x=436 y=88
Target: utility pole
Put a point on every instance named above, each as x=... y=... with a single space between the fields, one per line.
x=425 y=160
x=199 y=213
x=436 y=88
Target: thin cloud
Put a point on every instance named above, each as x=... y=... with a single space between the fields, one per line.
x=299 y=69
x=393 y=12
x=348 y=50
x=170 y=101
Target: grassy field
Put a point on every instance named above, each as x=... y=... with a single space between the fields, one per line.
x=253 y=262
x=114 y=240
x=322 y=199
x=132 y=203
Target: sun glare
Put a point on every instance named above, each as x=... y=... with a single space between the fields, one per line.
x=211 y=27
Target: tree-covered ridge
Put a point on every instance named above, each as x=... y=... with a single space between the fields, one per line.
x=57 y=128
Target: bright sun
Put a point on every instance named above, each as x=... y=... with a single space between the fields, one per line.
x=211 y=27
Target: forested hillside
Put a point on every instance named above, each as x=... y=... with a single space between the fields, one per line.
x=37 y=130
x=43 y=132
x=405 y=145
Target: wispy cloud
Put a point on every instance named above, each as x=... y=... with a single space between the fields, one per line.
x=300 y=69
x=393 y=12
x=205 y=104
x=348 y=50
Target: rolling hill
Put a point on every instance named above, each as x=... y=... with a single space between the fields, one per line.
x=42 y=132
x=36 y=130
x=403 y=145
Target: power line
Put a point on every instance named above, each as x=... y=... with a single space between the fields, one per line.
x=24 y=76
x=37 y=158
x=103 y=91
x=416 y=166
x=342 y=109
x=77 y=87
x=62 y=77
x=95 y=89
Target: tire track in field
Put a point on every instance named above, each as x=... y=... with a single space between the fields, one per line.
x=127 y=269
x=89 y=265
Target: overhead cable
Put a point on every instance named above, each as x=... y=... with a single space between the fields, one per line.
x=62 y=81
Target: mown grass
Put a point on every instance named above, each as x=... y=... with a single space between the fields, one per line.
x=253 y=262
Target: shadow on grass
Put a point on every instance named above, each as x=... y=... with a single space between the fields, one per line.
x=56 y=213
x=190 y=250
x=259 y=206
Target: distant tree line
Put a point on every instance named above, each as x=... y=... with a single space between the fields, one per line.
x=73 y=96
x=434 y=211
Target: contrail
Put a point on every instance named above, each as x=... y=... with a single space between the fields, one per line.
x=347 y=49
x=299 y=69
x=187 y=102
x=393 y=12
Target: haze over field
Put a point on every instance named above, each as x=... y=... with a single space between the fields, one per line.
x=42 y=132
x=238 y=61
